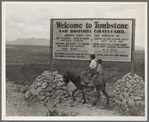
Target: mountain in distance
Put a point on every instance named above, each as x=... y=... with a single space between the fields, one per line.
x=30 y=41
x=41 y=42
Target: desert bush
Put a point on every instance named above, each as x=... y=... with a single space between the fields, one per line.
x=137 y=110
x=56 y=113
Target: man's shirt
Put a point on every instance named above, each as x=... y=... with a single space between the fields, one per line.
x=93 y=64
x=99 y=69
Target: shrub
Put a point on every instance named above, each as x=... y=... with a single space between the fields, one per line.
x=137 y=110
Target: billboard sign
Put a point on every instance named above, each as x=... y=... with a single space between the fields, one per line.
x=108 y=39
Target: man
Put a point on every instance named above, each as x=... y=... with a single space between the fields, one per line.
x=90 y=69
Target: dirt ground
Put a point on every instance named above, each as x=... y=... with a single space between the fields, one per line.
x=17 y=105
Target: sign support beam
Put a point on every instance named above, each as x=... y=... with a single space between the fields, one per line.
x=51 y=45
x=133 y=46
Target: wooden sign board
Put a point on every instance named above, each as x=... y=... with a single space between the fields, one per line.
x=109 y=39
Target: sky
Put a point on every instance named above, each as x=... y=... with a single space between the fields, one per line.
x=32 y=19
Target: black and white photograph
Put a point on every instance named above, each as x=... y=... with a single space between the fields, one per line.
x=76 y=61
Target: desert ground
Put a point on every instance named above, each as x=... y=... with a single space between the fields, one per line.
x=25 y=63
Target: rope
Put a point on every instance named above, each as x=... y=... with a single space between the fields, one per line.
x=75 y=76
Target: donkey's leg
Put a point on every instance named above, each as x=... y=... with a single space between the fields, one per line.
x=83 y=96
x=106 y=94
x=73 y=94
x=98 y=94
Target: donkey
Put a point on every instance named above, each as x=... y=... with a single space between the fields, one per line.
x=76 y=80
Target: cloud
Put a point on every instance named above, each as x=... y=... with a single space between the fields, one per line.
x=26 y=19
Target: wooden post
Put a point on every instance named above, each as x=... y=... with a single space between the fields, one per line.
x=51 y=45
x=133 y=46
